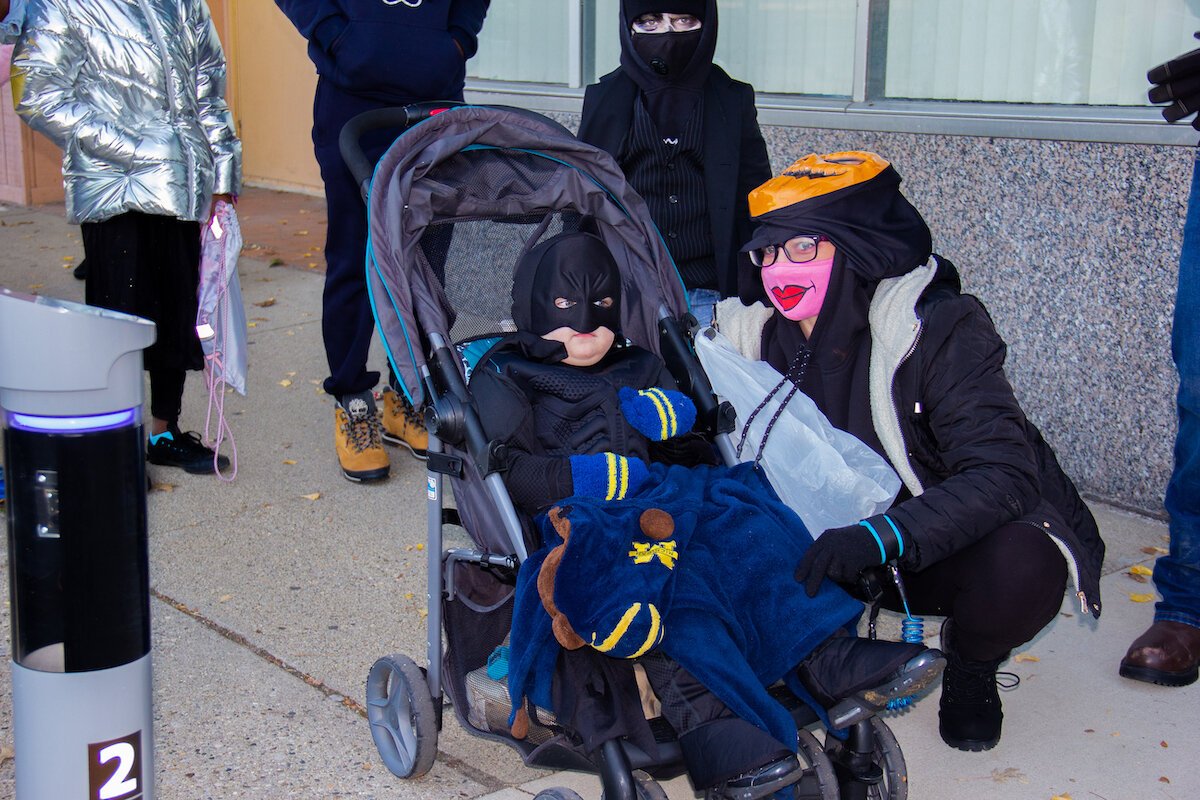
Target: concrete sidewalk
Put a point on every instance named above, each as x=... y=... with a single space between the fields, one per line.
x=274 y=594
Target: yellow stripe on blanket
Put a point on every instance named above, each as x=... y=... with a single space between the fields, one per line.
x=653 y=635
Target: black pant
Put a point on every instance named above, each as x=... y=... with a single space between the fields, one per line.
x=1000 y=591
x=716 y=744
x=149 y=266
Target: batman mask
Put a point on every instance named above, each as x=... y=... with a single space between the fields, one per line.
x=576 y=268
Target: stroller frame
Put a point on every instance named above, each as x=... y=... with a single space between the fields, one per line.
x=405 y=701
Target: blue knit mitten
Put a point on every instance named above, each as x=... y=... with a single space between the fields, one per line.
x=658 y=414
x=608 y=476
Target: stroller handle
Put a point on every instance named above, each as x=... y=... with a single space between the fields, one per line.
x=392 y=117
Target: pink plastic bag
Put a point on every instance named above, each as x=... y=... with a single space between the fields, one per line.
x=221 y=320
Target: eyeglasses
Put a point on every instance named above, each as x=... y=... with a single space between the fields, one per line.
x=798 y=249
x=662 y=23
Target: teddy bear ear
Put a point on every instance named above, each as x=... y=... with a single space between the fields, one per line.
x=520 y=726
x=558 y=518
x=565 y=634
x=657 y=524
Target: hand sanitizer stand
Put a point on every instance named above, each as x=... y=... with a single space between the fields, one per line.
x=74 y=456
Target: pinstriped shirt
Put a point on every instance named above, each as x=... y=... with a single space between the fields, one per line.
x=669 y=174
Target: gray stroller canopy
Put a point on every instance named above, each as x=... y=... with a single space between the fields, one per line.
x=459 y=196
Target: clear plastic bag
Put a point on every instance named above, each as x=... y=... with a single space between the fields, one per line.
x=221 y=319
x=824 y=474
x=221 y=325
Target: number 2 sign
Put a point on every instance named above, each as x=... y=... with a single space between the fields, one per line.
x=115 y=769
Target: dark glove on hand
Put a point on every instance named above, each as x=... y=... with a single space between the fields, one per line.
x=842 y=553
x=1178 y=82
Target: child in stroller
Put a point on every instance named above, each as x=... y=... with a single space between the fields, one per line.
x=588 y=427
x=452 y=204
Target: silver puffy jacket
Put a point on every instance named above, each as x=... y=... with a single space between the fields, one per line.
x=133 y=92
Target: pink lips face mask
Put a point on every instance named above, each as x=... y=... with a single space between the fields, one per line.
x=798 y=290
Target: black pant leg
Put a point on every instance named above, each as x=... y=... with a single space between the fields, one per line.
x=1000 y=591
x=717 y=745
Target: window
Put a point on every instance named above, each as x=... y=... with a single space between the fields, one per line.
x=1065 y=61
x=1072 y=52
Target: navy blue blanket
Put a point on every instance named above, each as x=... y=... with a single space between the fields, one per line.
x=724 y=602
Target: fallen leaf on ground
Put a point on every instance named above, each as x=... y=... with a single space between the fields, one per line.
x=1141 y=569
x=68 y=258
x=1163 y=743
x=312 y=496
x=1155 y=551
x=1136 y=578
x=270 y=301
x=1063 y=796
x=289 y=461
x=285 y=383
x=291 y=374
x=1009 y=774
x=1164 y=779
x=1025 y=657
x=225 y=598
x=1141 y=598
x=162 y=487
x=251 y=324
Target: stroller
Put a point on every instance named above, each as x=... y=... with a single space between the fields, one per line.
x=455 y=200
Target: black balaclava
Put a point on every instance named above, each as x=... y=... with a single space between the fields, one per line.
x=670 y=68
x=878 y=234
x=577 y=266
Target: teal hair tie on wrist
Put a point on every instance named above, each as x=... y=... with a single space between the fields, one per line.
x=878 y=541
x=899 y=538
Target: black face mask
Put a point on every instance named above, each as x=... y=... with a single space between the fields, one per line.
x=667 y=54
x=577 y=267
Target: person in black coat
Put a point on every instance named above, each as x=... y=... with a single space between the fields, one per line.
x=687 y=137
x=873 y=326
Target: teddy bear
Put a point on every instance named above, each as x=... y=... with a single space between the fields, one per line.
x=635 y=618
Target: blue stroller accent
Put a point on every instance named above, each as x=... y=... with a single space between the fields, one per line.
x=456 y=199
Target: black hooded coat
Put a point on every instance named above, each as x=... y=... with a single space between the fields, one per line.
x=947 y=419
x=734 y=153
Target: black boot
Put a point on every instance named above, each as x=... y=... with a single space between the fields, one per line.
x=969 y=716
x=856 y=678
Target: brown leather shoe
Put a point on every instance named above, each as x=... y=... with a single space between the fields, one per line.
x=1167 y=654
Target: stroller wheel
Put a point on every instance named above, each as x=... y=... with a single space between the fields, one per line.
x=557 y=793
x=400 y=711
x=888 y=755
x=819 y=781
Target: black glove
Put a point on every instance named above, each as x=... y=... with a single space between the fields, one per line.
x=842 y=553
x=1178 y=82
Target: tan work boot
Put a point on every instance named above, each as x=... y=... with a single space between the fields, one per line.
x=356 y=436
x=402 y=425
